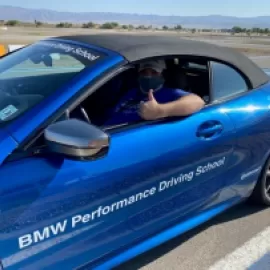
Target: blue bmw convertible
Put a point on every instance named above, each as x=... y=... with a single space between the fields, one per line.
x=76 y=193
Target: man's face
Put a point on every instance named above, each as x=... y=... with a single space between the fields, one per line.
x=150 y=79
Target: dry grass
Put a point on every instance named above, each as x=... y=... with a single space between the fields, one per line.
x=253 y=51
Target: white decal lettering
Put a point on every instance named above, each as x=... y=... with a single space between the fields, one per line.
x=59 y=227
x=25 y=241
x=104 y=210
x=69 y=49
x=76 y=220
x=41 y=235
x=210 y=166
x=86 y=218
x=162 y=185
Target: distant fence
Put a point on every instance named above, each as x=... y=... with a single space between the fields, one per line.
x=4 y=49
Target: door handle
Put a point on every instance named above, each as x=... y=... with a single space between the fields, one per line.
x=209 y=129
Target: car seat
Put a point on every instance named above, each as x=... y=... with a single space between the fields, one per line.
x=175 y=77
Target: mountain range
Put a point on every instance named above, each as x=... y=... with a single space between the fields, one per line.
x=51 y=16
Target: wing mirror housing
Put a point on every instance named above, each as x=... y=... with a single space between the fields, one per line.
x=76 y=139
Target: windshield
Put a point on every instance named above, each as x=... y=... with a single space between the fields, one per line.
x=33 y=73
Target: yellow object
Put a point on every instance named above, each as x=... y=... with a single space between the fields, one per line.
x=3 y=50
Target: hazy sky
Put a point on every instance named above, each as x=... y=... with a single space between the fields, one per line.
x=241 y=8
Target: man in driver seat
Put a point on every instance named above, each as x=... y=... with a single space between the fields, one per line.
x=152 y=100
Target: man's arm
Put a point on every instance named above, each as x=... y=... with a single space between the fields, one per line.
x=183 y=106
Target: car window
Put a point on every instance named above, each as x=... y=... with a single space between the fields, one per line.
x=35 y=72
x=196 y=66
x=59 y=63
x=226 y=81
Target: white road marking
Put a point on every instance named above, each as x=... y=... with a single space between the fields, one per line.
x=253 y=255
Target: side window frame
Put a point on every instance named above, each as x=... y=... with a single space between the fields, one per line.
x=229 y=96
x=127 y=126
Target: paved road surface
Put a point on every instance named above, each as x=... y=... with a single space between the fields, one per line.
x=262 y=61
x=208 y=245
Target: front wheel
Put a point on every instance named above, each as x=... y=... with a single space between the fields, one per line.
x=261 y=192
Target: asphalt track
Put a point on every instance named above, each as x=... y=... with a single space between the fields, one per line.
x=238 y=239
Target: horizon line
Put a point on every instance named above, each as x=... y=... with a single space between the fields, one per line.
x=140 y=14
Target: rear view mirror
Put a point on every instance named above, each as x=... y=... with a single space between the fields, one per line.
x=45 y=59
x=76 y=138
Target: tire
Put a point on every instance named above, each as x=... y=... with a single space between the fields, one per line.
x=261 y=192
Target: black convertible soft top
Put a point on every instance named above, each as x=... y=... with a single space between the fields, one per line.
x=137 y=47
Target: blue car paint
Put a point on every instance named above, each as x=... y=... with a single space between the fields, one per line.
x=31 y=201
x=7 y=144
x=250 y=116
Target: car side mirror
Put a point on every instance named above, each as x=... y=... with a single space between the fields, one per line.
x=76 y=139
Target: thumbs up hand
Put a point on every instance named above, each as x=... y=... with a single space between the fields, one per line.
x=151 y=96
x=151 y=109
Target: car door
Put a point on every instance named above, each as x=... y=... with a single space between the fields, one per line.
x=183 y=164
x=58 y=212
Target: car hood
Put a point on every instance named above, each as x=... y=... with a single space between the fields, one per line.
x=7 y=145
